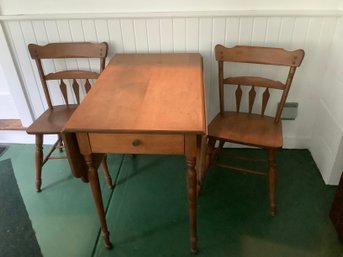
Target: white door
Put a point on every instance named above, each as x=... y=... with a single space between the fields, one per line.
x=8 y=109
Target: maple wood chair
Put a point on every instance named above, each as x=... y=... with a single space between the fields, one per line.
x=250 y=126
x=67 y=97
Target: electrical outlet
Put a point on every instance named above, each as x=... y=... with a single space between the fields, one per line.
x=290 y=111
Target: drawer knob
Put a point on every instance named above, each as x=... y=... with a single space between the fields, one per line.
x=136 y=142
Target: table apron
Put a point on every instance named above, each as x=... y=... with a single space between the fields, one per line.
x=137 y=143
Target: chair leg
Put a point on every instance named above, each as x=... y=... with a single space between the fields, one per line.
x=106 y=172
x=209 y=152
x=207 y=162
x=219 y=149
x=60 y=144
x=200 y=163
x=39 y=161
x=272 y=180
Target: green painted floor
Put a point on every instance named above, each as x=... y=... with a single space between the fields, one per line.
x=147 y=211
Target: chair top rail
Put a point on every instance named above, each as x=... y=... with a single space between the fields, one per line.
x=259 y=55
x=68 y=50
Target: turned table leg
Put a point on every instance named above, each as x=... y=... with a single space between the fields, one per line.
x=106 y=172
x=96 y=191
x=192 y=198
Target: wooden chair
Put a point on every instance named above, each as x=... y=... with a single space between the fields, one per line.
x=251 y=126
x=53 y=119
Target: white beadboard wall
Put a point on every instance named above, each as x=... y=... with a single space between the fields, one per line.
x=326 y=143
x=315 y=32
x=190 y=33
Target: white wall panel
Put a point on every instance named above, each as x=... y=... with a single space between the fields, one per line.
x=166 y=35
x=179 y=35
x=286 y=32
x=192 y=35
x=116 y=37
x=141 y=35
x=127 y=31
x=205 y=48
x=311 y=79
x=102 y=30
x=326 y=142
x=7 y=103
x=273 y=30
x=232 y=30
x=32 y=88
x=76 y=31
x=259 y=30
x=154 y=35
x=328 y=113
x=245 y=30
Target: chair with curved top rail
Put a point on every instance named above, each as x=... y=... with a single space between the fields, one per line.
x=70 y=87
x=250 y=125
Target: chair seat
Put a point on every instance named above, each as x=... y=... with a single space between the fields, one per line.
x=249 y=129
x=52 y=121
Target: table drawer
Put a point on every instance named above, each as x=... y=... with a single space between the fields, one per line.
x=137 y=143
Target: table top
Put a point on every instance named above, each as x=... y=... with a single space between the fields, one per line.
x=145 y=93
